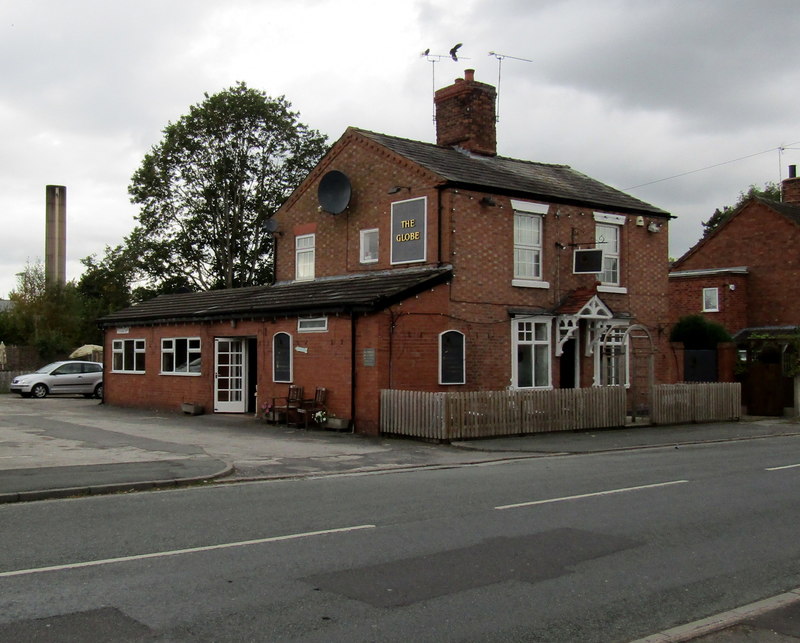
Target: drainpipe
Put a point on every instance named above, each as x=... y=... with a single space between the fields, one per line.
x=274 y=259
x=353 y=370
x=439 y=224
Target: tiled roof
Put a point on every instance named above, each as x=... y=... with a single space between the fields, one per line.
x=542 y=181
x=790 y=210
x=575 y=301
x=361 y=292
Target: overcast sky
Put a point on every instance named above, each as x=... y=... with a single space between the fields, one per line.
x=630 y=92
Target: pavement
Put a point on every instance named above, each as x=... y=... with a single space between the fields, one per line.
x=65 y=447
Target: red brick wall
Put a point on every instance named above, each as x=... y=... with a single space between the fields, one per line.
x=325 y=364
x=767 y=243
x=686 y=298
x=372 y=171
x=477 y=240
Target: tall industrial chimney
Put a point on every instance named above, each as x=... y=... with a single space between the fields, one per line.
x=55 y=243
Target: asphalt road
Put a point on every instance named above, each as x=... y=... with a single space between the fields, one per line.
x=601 y=547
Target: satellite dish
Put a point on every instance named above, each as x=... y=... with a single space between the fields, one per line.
x=269 y=225
x=334 y=192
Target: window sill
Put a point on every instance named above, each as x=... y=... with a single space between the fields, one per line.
x=529 y=283
x=180 y=374
x=621 y=290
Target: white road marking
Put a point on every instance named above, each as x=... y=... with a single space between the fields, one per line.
x=788 y=466
x=591 y=495
x=180 y=552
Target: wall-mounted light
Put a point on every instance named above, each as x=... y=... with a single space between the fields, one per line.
x=489 y=201
x=397 y=189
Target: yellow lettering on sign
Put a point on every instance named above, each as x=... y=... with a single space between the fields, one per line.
x=407 y=236
x=409 y=223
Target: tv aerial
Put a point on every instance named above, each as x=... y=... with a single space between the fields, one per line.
x=500 y=59
x=435 y=58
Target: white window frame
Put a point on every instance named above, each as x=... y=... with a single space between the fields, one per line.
x=192 y=348
x=463 y=358
x=710 y=294
x=365 y=237
x=531 y=248
x=611 y=257
x=312 y=325
x=119 y=355
x=523 y=334
x=304 y=257
x=291 y=358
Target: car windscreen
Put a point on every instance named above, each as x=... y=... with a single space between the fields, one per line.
x=48 y=368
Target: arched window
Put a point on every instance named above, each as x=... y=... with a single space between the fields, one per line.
x=451 y=357
x=282 y=357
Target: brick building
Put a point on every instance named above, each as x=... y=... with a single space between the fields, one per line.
x=744 y=276
x=409 y=265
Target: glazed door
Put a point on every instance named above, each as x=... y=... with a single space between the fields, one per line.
x=229 y=375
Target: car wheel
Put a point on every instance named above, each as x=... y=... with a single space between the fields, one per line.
x=39 y=391
x=98 y=391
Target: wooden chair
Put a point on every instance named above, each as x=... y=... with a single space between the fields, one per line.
x=289 y=405
x=312 y=406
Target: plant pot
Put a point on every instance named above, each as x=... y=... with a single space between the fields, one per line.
x=192 y=409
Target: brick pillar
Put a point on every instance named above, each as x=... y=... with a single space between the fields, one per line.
x=726 y=362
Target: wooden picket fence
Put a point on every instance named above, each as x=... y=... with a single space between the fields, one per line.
x=696 y=402
x=6 y=377
x=480 y=414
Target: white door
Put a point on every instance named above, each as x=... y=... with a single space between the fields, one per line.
x=229 y=375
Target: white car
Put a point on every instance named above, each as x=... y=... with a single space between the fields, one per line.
x=61 y=378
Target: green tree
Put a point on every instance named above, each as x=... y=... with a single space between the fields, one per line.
x=105 y=286
x=206 y=189
x=51 y=319
x=770 y=191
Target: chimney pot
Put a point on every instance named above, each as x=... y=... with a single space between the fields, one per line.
x=469 y=75
x=792 y=171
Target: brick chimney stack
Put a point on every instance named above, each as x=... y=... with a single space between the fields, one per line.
x=790 y=188
x=466 y=115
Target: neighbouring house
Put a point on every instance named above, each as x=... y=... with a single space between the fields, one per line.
x=745 y=275
x=416 y=266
